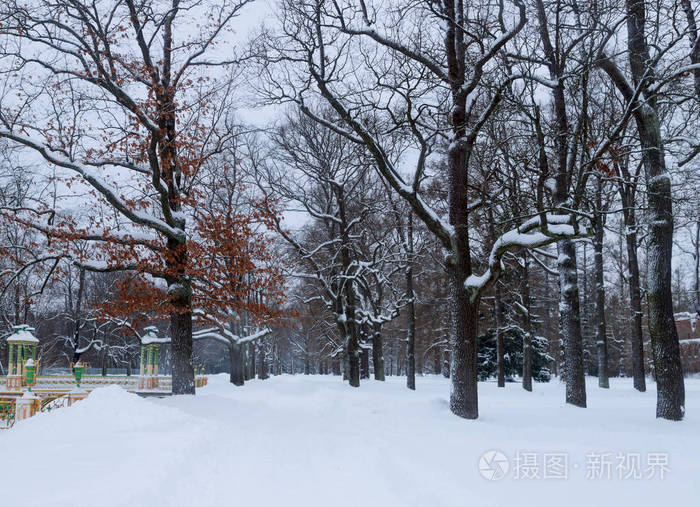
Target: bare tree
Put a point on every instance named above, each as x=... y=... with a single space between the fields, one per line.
x=113 y=91
x=425 y=86
x=640 y=95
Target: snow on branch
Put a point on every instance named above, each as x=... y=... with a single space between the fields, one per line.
x=87 y=172
x=255 y=336
x=228 y=338
x=533 y=233
x=222 y=333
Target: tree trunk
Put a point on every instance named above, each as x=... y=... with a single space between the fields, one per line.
x=336 y=366
x=345 y=363
x=696 y=255
x=411 y=345
x=262 y=369
x=500 y=346
x=351 y=352
x=636 y=336
x=570 y=324
x=446 y=361
x=354 y=362
x=437 y=360
x=76 y=315
x=411 y=311
x=378 y=353
x=601 y=331
x=464 y=400
x=105 y=362
x=569 y=311
x=463 y=363
x=349 y=326
x=400 y=357
x=236 y=359
x=670 y=401
x=252 y=362
x=527 y=339
x=181 y=336
x=364 y=362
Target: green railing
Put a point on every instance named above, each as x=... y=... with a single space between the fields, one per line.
x=7 y=412
x=53 y=402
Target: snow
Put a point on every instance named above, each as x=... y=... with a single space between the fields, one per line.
x=477 y=281
x=312 y=440
x=147 y=340
x=151 y=336
x=22 y=334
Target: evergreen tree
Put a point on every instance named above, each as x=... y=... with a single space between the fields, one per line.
x=513 y=355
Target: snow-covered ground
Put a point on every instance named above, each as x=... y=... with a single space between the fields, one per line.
x=313 y=441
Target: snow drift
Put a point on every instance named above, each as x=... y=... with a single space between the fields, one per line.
x=312 y=441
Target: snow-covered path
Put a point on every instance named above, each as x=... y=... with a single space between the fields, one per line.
x=312 y=441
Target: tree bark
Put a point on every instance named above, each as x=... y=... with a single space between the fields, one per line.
x=446 y=361
x=463 y=357
x=696 y=255
x=364 y=362
x=353 y=358
x=400 y=358
x=180 y=292
x=252 y=363
x=76 y=315
x=500 y=346
x=105 y=363
x=262 y=369
x=348 y=325
x=638 y=370
x=378 y=353
x=527 y=339
x=670 y=402
x=601 y=331
x=437 y=360
x=627 y=190
x=351 y=352
x=464 y=400
x=411 y=310
x=570 y=324
x=236 y=360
